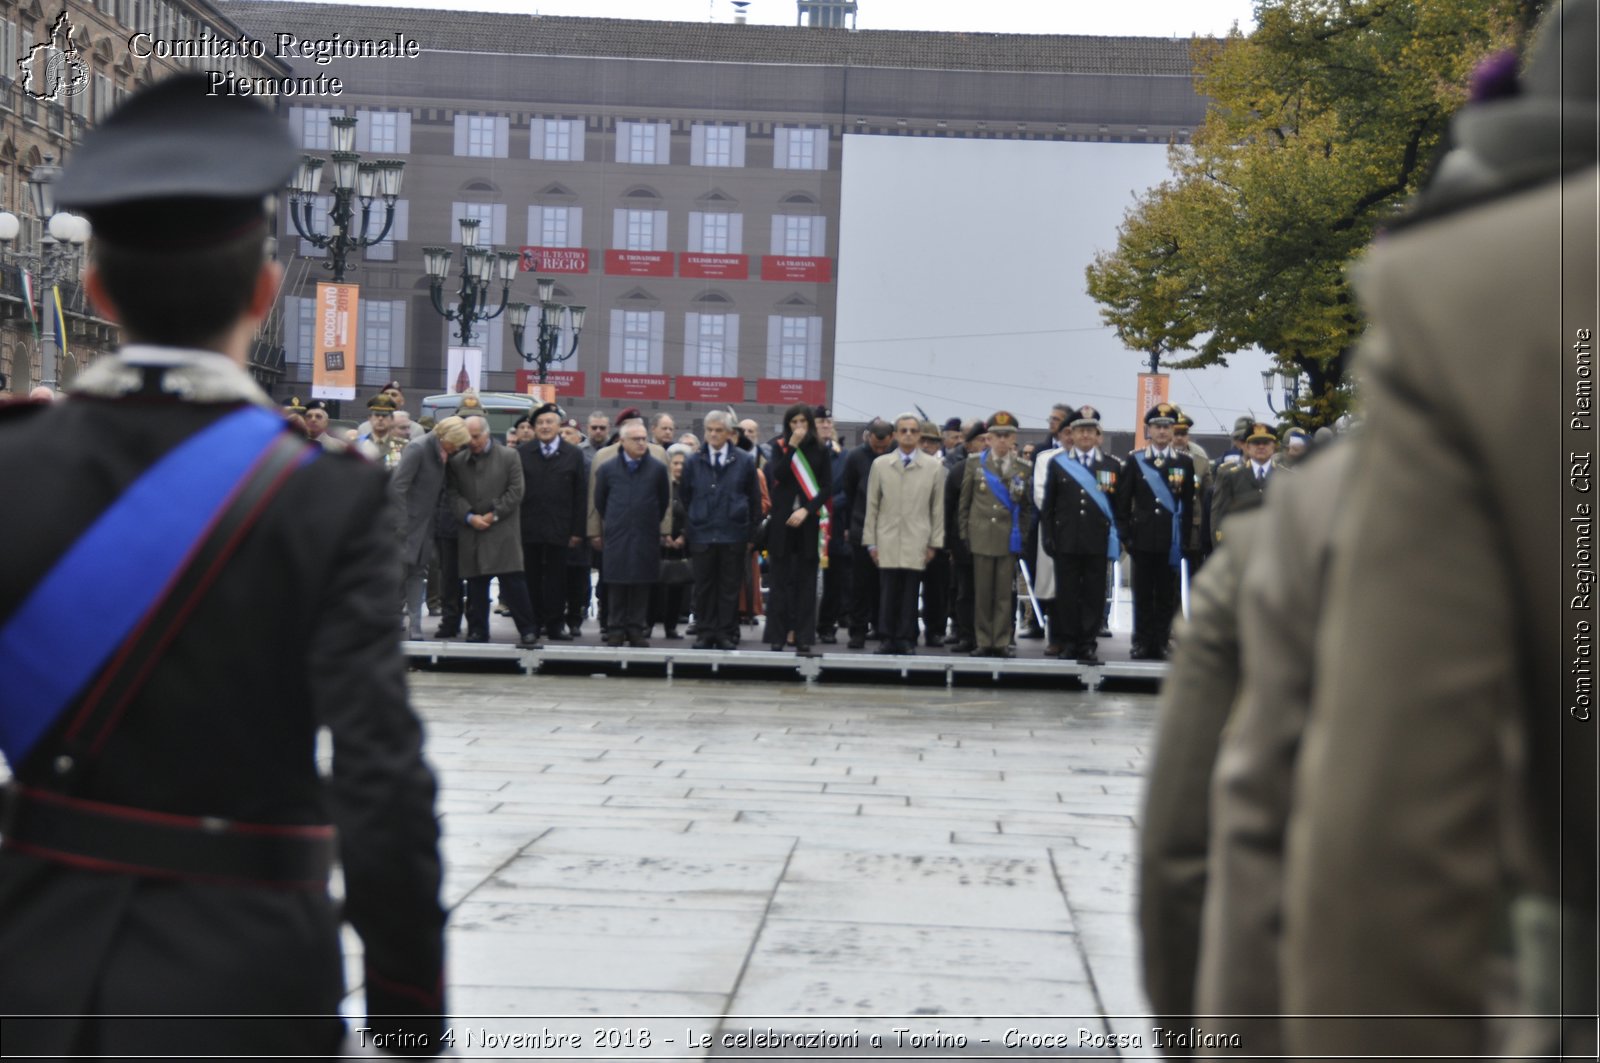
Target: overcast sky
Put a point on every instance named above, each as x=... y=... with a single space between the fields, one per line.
x=1137 y=18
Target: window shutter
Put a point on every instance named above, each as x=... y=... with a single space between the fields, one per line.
x=619 y=227
x=819 y=229
x=401 y=230
x=297 y=123
x=536 y=226
x=774 y=344
x=777 y=234
x=577 y=127
x=397 y=330
x=623 y=137
x=697 y=236
x=658 y=339
x=616 y=341
x=536 y=139
x=402 y=136
x=780 y=148
x=730 y=345
x=363 y=130
x=663 y=143
x=492 y=340
x=821 y=154
x=738 y=145
x=502 y=137
x=575 y=227
x=813 y=348
x=691 y=343
x=457 y=210
x=736 y=234
x=697 y=145
x=658 y=231
x=461 y=134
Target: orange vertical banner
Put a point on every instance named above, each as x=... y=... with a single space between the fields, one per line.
x=333 y=367
x=1152 y=390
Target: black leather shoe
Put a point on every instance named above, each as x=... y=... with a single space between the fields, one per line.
x=828 y=638
x=776 y=647
x=530 y=641
x=964 y=647
x=1089 y=657
x=615 y=638
x=640 y=643
x=726 y=644
x=704 y=644
x=446 y=632
x=559 y=636
x=477 y=636
x=802 y=650
x=856 y=644
x=885 y=649
x=671 y=633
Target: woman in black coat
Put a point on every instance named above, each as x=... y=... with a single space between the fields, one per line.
x=794 y=528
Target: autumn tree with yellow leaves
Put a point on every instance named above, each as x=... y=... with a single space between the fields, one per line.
x=1321 y=124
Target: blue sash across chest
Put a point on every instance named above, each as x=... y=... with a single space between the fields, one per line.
x=1163 y=493
x=1002 y=493
x=127 y=560
x=1085 y=479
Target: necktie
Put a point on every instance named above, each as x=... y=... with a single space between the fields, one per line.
x=718 y=462
x=1261 y=475
x=550 y=452
x=906 y=461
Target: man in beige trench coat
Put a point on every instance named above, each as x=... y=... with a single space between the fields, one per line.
x=904 y=527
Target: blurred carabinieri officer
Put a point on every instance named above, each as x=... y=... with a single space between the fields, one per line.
x=1153 y=512
x=168 y=836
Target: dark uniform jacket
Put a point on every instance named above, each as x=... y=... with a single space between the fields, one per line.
x=555 y=495
x=632 y=504
x=1069 y=521
x=955 y=476
x=1143 y=522
x=1237 y=489
x=297 y=632
x=784 y=486
x=853 y=485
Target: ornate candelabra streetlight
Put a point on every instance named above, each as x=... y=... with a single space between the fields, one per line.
x=352 y=180
x=1289 y=383
x=547 y=353
x=479 y=268
x=57 y=258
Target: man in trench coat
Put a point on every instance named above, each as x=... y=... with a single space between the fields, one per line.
x=486 y=489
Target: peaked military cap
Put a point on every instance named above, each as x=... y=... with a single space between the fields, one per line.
x=292 y=404
x=1087 y=417
x=821 y=413
x=470 y=404
x=1002 y=421
x=1161 y=413
x=1182 y=420
x=381 y=403
x=174 y=169
x=1260 y=433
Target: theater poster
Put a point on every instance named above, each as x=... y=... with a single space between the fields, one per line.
x=333 y=367
x=463 y=369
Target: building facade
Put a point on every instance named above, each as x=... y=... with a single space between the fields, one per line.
x=679 y=180
x=88 y=64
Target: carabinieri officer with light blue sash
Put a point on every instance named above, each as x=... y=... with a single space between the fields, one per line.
x=180 y=615
x=1078 y=529
x=1153 y=513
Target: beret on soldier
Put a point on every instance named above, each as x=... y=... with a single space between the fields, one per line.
x=821 y=413
x=175 y=169
x=952 y=425
x=630 y=414
x=548 y=407
x=317 y=404
x=978 y=428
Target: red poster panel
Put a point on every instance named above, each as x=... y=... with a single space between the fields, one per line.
x=634 y=386
x=564 y=383
x=709 y=388
x=796 y=268
x=1152 y=391
x=714 y=267
x=555 y=260
x=639 y=263
x=788 y=392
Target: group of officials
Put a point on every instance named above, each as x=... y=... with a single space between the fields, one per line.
x=954 y=526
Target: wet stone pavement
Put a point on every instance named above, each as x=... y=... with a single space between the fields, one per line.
x=643 y=868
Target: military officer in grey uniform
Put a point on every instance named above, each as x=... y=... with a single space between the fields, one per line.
x=994 y=489
x=1241 y=485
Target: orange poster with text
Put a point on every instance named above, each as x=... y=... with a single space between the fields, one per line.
x=1152 y=390
x=333 y=367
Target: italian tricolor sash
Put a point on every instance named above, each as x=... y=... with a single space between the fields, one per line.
x=808 y=487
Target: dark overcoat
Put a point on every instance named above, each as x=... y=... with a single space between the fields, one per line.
x=784 y=485
x=1143 y=522
x=297 y=633
x=486 y=483
x=555 y=498
x=631 y=504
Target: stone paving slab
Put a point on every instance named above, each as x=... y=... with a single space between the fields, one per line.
x=695 y=855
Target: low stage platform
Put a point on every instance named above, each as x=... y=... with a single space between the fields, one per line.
x=826 y=663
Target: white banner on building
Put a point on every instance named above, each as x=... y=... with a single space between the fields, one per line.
x=463 y=369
